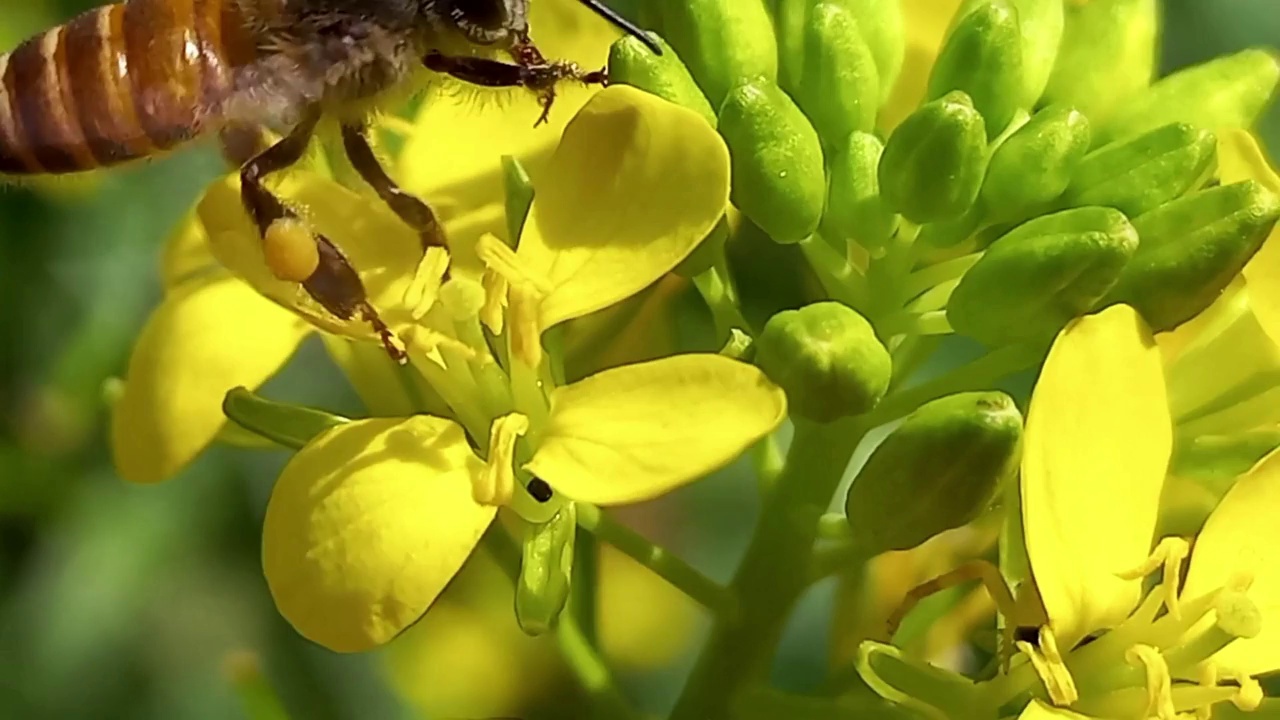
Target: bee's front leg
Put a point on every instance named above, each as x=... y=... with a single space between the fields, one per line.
x=533 y=72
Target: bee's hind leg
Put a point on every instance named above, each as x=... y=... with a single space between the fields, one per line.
x=413 y=211
x=327 y=276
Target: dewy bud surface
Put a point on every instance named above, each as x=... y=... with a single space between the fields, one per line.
x=1192 y=248
x=828 y=68
x=723 y=42
x=982 y=57
x=632 y=63
x=881 y=26
x=936 y=471
x=934 y=161
x=1108 y=53
x=855 y=210
x=778 y=177
x=827 y=359
x=1143 y=173
x=1036 y=163
x=1042 y=274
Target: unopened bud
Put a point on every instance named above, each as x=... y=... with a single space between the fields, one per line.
x=1041 y=275
x=1041 y=23
x=982 y=57
x=723 y=42
x=1229 y=92
x=1035 y=164
x=546 y=568
x=881 y=26
x=778 y=177
x=855 y=210
x=1107 y=54
x=1143 y=173
x=827 y=359
x=287 y=425
x=1191 y=250
x=933 y=163
x=828 y=68
x=938 y=470
x=631 y=62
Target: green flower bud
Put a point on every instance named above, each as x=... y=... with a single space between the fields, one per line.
x=1041 y=23
x=1042 y=274
x=983 y=58
x=940 y=469
x=546 y=568
x=950 y=233
x=1191 y=250
x=1146 y=172
x=1108 y=53
x=290 y=426
x=828 y=68
x=933 y=163
x=778 y=177
x=880 y=24
x=723 y=42
x=855 y=210
x=1228 y=92
x=632 y=63
x=1035 y=164
x=826 y=358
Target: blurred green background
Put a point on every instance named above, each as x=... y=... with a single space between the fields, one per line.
x=130 y=602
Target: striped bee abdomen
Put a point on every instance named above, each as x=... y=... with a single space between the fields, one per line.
x=117 y=83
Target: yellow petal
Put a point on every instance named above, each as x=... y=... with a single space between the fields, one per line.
x=186 y=254
x=207 y=337
x=1098 y=441
x=366 y=526
x=1039 y=711
x=381 y=248
x=453 y=160
x=1240 y=158
x=1242 y=537
x=634 y=186
x=638 y=431
x=926 y=23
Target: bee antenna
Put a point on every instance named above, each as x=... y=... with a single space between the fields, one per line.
x=631 y=28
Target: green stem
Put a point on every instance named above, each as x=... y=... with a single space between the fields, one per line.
x=838 y=278
x=585 y=584
x=772 y=575
x=716 y=287
x=938 y=273
x=974 y=376
x=681 y=575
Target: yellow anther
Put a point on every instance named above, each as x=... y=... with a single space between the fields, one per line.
x=1159 y=683
x=424 y=288
x=1250 y=695
x=495 y=301
x=525 y=328
x=1046 y=660
x=497 y=482
x=290 y=250
x=500 y=258
x=1169 y=554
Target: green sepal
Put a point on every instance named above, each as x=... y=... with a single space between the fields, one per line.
x=918 y=687
x=982 y=57
x=1222 y=457
x=287 y=425
x=933 y=163
x=1035 y=164
x=723 y=42
x=855 y=210
x=1191 y=250
x=1107 y=55
x=631 y=62
x=940 y=469
x=1042 y=274
x=546 y=569
x=518 y=195
x=827 y=359
x=778 y=178
x=1141 y=174
x=827 y=67
x=1227 y=92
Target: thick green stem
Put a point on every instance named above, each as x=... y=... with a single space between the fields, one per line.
x=772 y=575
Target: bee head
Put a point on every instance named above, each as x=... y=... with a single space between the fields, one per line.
x=487 y=22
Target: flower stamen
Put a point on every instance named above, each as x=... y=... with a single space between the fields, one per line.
x=423 y=290
x=1169 y=554
x=1159 y=683
x=495 y=485
x=1047 y=662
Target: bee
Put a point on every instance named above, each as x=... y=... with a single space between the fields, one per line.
x=138 y=78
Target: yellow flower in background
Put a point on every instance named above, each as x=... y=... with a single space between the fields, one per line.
x=213 y=332
x=926 y=28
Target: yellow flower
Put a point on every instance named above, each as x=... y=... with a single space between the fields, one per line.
x=1097 y=444
x=212 y=332
x=926 y=28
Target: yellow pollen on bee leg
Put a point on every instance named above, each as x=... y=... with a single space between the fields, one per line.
x=1169 y=554
x=290 y=250
x=496 y=484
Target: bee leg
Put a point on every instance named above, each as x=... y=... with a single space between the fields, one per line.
x=333 y=282
x=532 y=72
x=413 y=211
